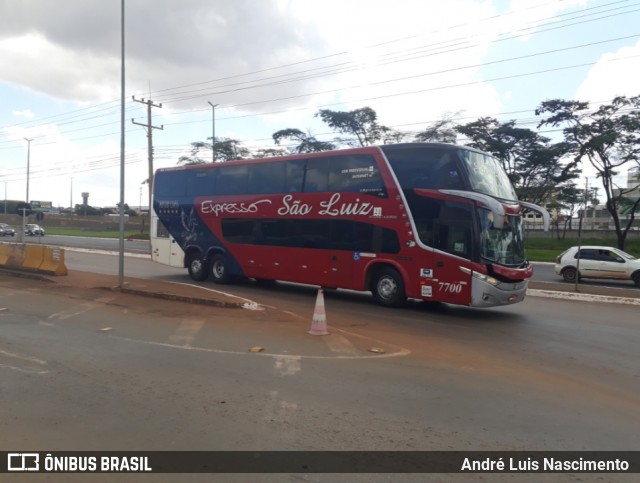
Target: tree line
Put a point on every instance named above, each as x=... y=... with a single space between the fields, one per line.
x=542 y=171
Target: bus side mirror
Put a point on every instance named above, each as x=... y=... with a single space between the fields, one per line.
x=546 y=218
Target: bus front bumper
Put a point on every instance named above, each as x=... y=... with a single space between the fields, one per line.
x=484 y=294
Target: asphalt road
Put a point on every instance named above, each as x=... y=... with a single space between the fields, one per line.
x=543 y=271
x=100 y=370
x=91 y=243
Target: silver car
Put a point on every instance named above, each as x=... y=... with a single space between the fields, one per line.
x=598 y=262
x=6 y=230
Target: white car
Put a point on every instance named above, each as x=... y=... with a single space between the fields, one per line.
x=598 y=262
x=33 y=230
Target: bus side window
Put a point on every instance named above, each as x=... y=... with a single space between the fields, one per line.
x=201 y=182
x=266 y=178
x=232 y=180
x=316 y=175
x=161 y=231
x=294 y=176
x=357 y=174
x=170 y=184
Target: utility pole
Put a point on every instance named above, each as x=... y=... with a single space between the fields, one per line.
x=150 y=127
x=213 y=132
x=28 y=162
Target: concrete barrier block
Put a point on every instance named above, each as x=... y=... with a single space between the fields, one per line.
x=16 y=256
x=33 y=257
x=53 y=262
x=5 y=253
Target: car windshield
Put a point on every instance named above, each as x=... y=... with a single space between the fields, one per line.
x=504 y=246
x=625 y=255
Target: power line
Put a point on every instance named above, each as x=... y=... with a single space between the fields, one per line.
x=90 y=113
x=111 y=105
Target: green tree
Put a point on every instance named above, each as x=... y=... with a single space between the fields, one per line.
x=306 y=143
x=441 y=131
x=608 y=138
x=226 y=149
x=87 y=210
x=269 y=153
x=534 y=165
x=360 y=125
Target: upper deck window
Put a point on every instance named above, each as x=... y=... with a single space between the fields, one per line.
x=442 y=167
x=426 y=168
x=487 y=176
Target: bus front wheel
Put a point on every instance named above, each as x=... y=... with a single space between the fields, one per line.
x=219 y=270
x=197 y=267
x=388 y=288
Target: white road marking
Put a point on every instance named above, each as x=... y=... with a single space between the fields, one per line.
x=248 y=303
x=80 y=309
x=186 y=332
x=340 y=344
x=27 y=363
x=287 y=366
x=400 y=352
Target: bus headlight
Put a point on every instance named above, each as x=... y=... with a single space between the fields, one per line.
x=481 y=276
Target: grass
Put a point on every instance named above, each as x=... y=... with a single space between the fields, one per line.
x=537 y=249
x=547 y=249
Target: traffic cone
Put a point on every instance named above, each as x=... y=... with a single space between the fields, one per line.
x=319 y=321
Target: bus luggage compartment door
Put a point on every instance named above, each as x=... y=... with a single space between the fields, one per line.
x=450 y=284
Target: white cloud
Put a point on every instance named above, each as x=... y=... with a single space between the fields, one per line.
x=268 y=64
x=26 y=114
x=615 y=74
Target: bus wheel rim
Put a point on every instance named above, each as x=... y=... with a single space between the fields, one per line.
x=387 y=287
x=218 y=269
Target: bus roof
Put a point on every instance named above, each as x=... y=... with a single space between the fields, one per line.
x=385 y=148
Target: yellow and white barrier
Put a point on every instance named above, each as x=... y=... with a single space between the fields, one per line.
x=53 y=262
x=5 y=253
x=34 y=258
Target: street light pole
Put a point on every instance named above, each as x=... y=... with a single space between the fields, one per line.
x=122 y=150
x=28 y=162
x=213 y=132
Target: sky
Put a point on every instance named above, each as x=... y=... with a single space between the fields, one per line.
x=272 y=64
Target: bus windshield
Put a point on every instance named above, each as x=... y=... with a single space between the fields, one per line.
x=487 y=176
x=504 y=246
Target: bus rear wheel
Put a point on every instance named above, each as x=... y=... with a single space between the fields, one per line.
x=388 y=288
x=219 y=270
x=197 y=267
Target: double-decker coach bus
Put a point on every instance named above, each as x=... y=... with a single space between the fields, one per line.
x=429 y=221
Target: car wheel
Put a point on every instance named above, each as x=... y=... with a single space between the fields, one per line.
x=569 y=274
x=636 y=279
x=198 y=267
x=388 y=288
x=219 y=269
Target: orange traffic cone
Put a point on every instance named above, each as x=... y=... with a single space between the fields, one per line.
x=319 y=321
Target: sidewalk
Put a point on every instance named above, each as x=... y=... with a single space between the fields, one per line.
x=184 y=292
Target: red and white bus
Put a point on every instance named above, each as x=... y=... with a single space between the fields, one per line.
x=429 y=221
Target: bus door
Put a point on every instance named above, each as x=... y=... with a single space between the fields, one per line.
x=164 y=248
x=454 y=245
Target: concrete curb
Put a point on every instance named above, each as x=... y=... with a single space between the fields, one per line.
x=582 y=297
x=178 y=298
